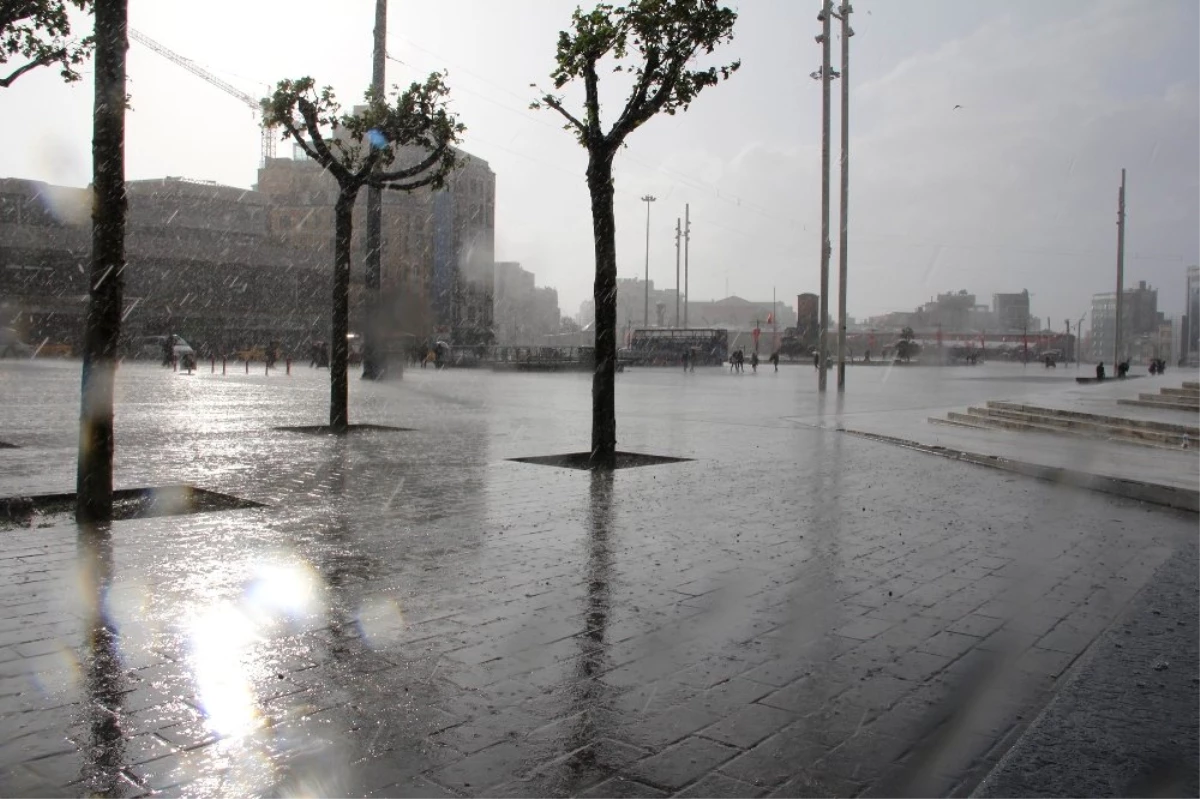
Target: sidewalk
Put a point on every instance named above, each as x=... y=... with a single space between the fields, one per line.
x=792 y=611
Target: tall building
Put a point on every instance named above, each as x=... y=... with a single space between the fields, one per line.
x=1140 y=320
x=631 y=305
x=1012 y=312
x=524 y=313
x=438 y=247
x=1190 y=349
x=200 y=262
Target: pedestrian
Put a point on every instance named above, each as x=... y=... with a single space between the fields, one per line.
x=732 y=361
x=775 y=360
x=1100 y=371
x=685 y=360
x=168 y=351
x=816 y=360
x=754 y=362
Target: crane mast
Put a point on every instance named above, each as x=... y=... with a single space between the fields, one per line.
x=268 y=137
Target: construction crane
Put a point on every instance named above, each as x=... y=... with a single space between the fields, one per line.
x=268 y=134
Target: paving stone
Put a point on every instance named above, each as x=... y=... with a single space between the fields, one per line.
x=748 y=726
x=718 y=785
x=546 y=630
x=776 y=759
x=677 y=765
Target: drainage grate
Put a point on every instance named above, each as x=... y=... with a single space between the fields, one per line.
x=323 y=429
x=583 y=460
x=128 y=503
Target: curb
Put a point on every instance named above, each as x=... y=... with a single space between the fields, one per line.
x=1153 y=493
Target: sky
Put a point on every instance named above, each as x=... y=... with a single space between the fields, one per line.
x=1017 y=189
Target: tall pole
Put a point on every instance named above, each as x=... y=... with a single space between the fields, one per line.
x=1120 y=272
x=823 y=322
x=646 y=315
x=678 y=236
x=847 y=32
x=373 y=366
x=687 y=240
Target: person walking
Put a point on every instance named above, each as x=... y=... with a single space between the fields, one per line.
x=685 y=360
x=775 y=360
x=754 y=362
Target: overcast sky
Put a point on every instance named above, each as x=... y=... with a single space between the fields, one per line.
x=1017 y=189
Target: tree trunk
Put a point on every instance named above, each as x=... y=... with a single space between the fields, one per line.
x=339 y=395
x=604 y=388
x=94 y=475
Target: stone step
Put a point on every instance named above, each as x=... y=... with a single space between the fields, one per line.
x=996 y=422
x=1184 y=401
x=1089 y=428
x=953 y=423
x=1162 y=404
x=1193 y=385
x=1190 y=393
x=1176 y=428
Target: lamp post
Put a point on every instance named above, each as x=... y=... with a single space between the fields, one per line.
x=843 y=14
x=647 y=200
x=825 y=74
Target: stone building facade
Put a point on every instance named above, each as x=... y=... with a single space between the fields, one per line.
x=199 y=263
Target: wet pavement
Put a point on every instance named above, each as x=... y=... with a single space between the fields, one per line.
x=792 y=611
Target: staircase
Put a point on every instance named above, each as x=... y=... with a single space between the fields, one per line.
x=999 y=415
x=1185 y=398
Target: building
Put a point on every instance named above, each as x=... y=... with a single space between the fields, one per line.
x=808 y=314
x=438 y=247
x=735 y=313
x=1190 y=344
x=200 y=262
x=524 y=313
x=1012 y=312
x=1140 y=321
x=632 y=305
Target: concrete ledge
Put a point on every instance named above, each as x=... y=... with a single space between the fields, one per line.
x=1084 y=416
x=1167 y=496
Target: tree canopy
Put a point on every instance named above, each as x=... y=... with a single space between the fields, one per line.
x=361 y=148
x=36 y=33
x=653 y=41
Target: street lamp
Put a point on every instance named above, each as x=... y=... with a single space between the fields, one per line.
x=647 y=199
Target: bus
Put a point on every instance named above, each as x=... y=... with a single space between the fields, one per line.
x=665 y=346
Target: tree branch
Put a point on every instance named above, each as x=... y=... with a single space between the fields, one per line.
x=557 y=106
x=412 y=171
x=637 y=99
x=41 y=61
x=425 y=181
x=295 y=134
x=12 y=13
x=660 y=97
x=327 y=158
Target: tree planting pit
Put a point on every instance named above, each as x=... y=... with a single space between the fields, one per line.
x=43 y=510
x=324 y=429
x=583 y=460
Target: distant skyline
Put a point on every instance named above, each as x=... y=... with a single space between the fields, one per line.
x=1016 y=189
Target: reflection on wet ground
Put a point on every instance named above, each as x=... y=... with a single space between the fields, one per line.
x=790 y=612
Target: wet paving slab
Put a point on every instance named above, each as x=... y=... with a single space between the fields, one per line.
x=788 y=612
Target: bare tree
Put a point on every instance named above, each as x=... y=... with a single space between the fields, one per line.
x=361 y=150
x=654 y=42
x=37 y=33
x=94 y=478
